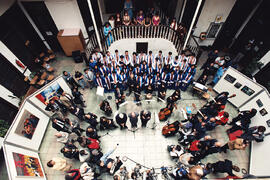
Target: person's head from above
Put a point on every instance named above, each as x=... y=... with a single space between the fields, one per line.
x=176 y=58
x=131 y=75
x=133 y=114
x=116 y=177
x=174 y=20
x=82 y=152
x=170 y=53
x=90 y=129
x=216 y=51
x=218 y=144
x=65 y=73
x=86 y=70
x=160 y=52
x=50 y=163
x=117 y=15
x=141 y=12
x=226 y=114
x=58 y=135
x=121 y=115
x=253 y=111
x=52 y=101
x=212 y=119
x=111 y=18
x=150 y=52
x=261 y=129
x=159 y=66
x=125 y=13
x=126 y=53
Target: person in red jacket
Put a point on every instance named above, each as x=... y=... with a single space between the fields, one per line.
x=222 y=118
x=73 y=174
x=88 y=142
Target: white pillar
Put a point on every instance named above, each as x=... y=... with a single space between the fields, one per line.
x=33 y=24
x=94 y=23
x=12 y=58
x=182 y=11
x=192 y=23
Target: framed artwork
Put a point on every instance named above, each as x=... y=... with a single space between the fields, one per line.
x=49 y=93
x=263 y=112
x=27 y=165
x=248 y=91
x=229 y=78
x=218 y=18
x=27 y=125
x=268 y=123
x=237 y=85
x=259 y=103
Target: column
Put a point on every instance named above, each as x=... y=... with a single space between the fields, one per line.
x=95 y=25
x=192 y=23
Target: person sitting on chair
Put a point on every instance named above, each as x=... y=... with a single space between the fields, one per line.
x=105 y=106
x=55 y=105
x=106 y=123
x=78 y=112
x=145 y=117
x=70 y=151
x=66 y=125
x=121 y=120
x=161 y=91
x=91 y=132
x=91 y=118
x=78 y=97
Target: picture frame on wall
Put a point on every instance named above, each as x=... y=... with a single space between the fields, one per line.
x=248 y=91
x=237 y=85
x=263 y=112
x=230 y=78
x=259 y=103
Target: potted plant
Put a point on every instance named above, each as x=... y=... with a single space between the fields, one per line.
x=3 y=128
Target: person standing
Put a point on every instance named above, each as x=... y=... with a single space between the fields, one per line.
x=89 y=76
x=145 y=117
x=80 y=79
x=133 y=117
x=121 y=119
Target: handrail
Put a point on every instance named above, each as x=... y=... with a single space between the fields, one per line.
x=132 y=31
x=194 y=46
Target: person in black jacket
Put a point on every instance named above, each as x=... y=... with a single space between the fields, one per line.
x=105 y=106
x=161 y=91
x=78 y=112
x=255 y=133
x=91 y=118
x=131 y=83
x=78 y=97
x=70 y=151
x=225 y=166
x=106 y=123
x=55 y=105
x=121 y=120
x=145 y=117
x=66 y=126
x=119 y=97
x=92 y=132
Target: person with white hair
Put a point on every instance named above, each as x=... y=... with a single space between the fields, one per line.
x=121 y=119
x=62 y=137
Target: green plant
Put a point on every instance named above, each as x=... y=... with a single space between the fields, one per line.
x=3 y=128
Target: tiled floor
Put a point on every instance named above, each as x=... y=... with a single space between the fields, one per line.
x=146 y=146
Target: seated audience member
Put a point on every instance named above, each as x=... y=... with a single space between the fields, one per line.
x=55 y=105
x=121 y=120
x=237 y=144
x=73 y=174
x=223 y=97
x=78 y=97
x=106 y=123
x=196 y=172
x=222 y=118
x=133 y=118
x=91 y=118
x=69 y=79
x=105 y=162
x=67 y=125
x=145 y=116
x=105 y=106
x=225 y=166
x=59 y=164
x=95 y=156
x=84 y=155
x=187 y=159
x=218 y=75
x=88 y=142
x=175 y=151
x=244 y=116
x=80 y=79
x=126 y=19
x=255 y=133
x=78 y=112
x=67 y=99
x=92 y=132
x=62 y=137
x=87 y=173
x=70 y=151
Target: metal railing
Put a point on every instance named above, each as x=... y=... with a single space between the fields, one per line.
x=131 y=32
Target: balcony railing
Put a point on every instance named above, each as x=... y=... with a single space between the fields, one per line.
x=131 y=32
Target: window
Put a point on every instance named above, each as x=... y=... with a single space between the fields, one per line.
x=213 y=30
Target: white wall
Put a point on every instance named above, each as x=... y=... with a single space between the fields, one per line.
x=4 y=5
x=241 y=97
x=66 y=14
x=210 y=10
x=154 y=45
x=11 y=168
x=4 y=95
x=11 y=58
x=20 y=140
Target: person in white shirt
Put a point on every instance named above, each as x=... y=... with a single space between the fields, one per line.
x=191 y=59
x=127 y=58
x=89 y=76
x=159 y=56
x=141 y=57
x=150 y=58
x=87 y=173
x=62 y=137
x=97 y=56
x=116 y=56
x=168 y=59
x=182 y=57
x=109 y=57
x=175 y=62
x=219 y=61
x=59 y=164
x=84 y=155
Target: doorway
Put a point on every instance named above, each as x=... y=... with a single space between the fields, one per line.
x=44 y=22
x=142 y=47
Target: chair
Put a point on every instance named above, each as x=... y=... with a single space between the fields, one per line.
x=77 y=56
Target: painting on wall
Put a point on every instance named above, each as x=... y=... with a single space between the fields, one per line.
x=229 y=78
x=248 y=91
x=27 y=125
x=27 y=165
x=49 y=93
